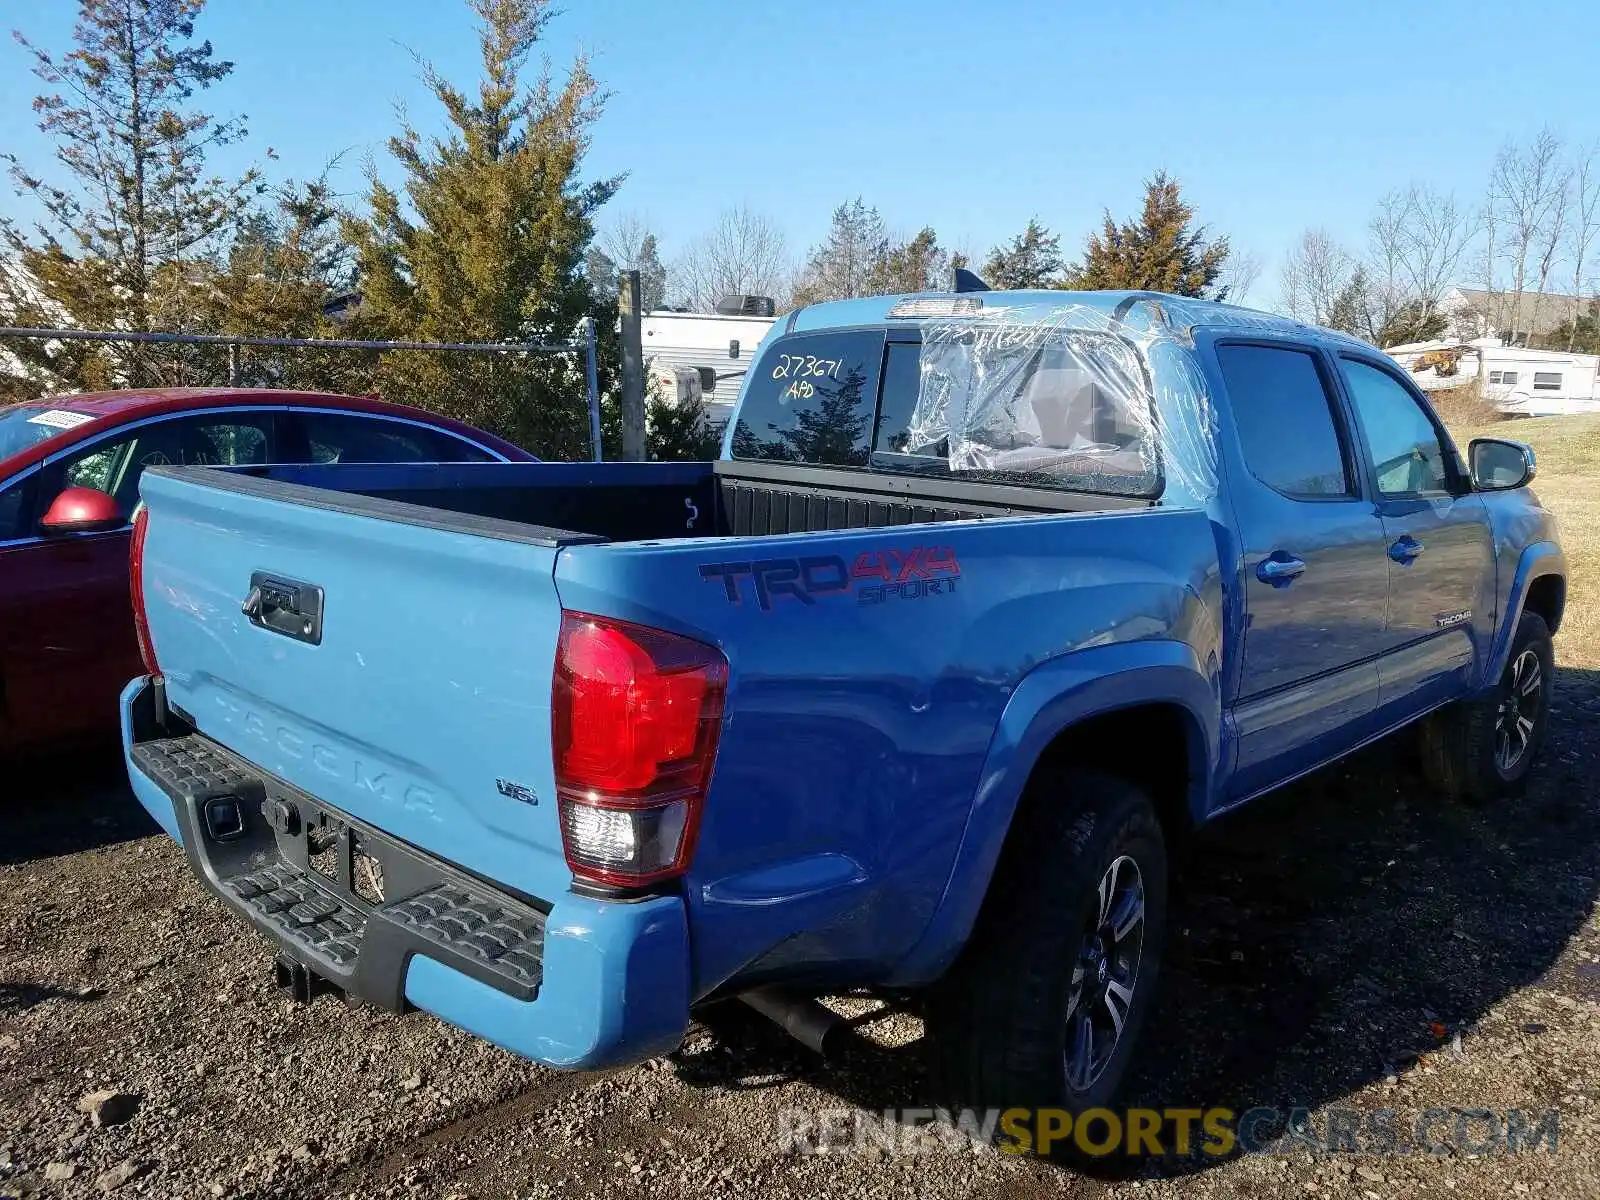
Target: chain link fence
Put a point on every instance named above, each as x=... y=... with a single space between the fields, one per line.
x=543 y=396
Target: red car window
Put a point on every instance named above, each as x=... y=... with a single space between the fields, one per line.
x=23 y=426
x=350 y=438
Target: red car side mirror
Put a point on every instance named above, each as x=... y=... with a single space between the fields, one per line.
x=81 y=510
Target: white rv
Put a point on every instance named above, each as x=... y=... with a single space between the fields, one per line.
x=718 y=348
x=1541 y=383
x=1517 y=381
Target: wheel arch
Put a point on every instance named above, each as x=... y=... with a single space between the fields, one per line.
x=1539 y=585
x=1148 y=712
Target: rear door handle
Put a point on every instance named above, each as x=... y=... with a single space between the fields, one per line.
x=1280 y=569
x=1406 y=549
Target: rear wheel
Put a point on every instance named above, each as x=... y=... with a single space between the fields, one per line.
x=1484 y=749
x=1045 y=1006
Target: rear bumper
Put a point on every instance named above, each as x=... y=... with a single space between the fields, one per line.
x=574 y=982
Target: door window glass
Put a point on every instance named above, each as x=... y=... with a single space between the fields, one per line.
x=1407 y=452
x=1285 y=420
x=16 y=509
x=116 y=466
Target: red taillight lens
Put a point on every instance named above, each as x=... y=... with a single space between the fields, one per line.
x=141 y=621
x=634 y=722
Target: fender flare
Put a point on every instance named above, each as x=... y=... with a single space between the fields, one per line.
x=1054 y=696
x=1539 y=560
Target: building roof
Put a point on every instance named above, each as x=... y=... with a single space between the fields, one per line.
x=1535 y=313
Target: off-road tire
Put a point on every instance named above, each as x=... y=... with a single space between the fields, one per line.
x=1461 y=745
x=998 y=1023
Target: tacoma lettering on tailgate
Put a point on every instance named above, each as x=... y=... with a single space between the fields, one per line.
x=381 y=780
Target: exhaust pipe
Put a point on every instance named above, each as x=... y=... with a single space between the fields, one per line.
x=800 y=1016
x=298 y=981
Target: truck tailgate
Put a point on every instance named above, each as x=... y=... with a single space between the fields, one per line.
x=421 y=705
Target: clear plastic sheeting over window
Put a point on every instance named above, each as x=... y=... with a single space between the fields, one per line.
x=1071 y=396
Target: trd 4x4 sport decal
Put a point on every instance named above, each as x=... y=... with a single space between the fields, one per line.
x=876 y=576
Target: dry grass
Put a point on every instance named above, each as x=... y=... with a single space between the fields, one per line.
x=1462 y=407
x=1569 y=485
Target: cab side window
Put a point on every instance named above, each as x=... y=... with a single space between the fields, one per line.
x=1406 y=448
x=1284 y=415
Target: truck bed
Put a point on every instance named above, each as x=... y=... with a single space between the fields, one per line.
x=389 y=648
x=561 y=504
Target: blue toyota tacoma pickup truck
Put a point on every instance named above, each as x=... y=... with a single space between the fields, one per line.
x=990 y=599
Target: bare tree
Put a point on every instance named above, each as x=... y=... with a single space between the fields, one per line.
x=1239 y=275
x=624 y=239
x=1551 y=238
x=744 y=254
x=1434 y=235
x=630 y=244
x=1315 y=273
x=1489 y=219
x=1526 y=186
x=1585 y=228
x=1388 y=249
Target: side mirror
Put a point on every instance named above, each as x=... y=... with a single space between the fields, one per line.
x=1498 y=465
x=81 y=510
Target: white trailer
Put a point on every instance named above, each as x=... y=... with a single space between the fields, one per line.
x=1517 y=381
x=1541 y=383
x=717 y=348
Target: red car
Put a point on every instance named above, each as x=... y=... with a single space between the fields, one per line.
x=69 y=481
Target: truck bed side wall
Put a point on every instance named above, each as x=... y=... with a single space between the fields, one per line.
x=869 y=672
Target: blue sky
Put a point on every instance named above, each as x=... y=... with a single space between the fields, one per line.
x=967 y=117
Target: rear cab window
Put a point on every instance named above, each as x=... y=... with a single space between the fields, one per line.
x=847 y=398
x=811 y=399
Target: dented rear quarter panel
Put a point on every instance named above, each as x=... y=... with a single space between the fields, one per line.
x=861 y=719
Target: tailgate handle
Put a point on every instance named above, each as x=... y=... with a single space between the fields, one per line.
x=285 y=606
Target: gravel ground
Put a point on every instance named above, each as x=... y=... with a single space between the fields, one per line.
x=1328 y=949
x=1351 y=943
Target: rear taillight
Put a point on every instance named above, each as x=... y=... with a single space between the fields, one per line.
x=141 y=621
x=634 y=722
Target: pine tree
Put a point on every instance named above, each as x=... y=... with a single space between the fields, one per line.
x=496 y=250
x=282 y=268
x=133 y=208
x=1413 y=321
x=679 y=433
x=601 y=272
x=849 y=262
x=1351 y=310
x=1581 y=335
x=1161 y=251
x=1032 y=259
x=920 y=265
x=652 y=273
